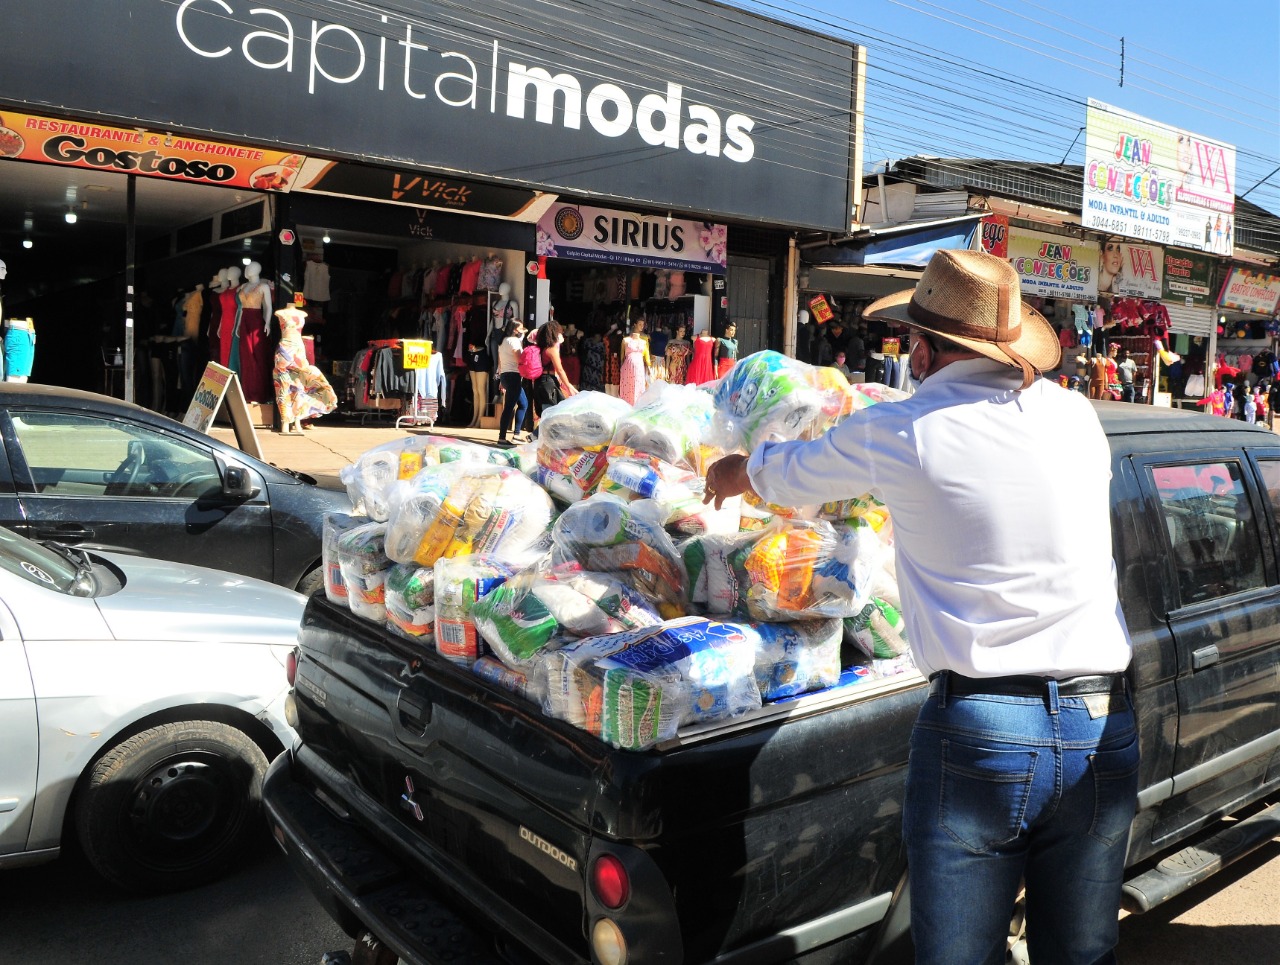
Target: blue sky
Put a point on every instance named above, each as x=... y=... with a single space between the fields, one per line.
x=999 y=79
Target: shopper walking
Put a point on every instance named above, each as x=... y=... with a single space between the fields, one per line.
x=1024 y=757
x=514 y=402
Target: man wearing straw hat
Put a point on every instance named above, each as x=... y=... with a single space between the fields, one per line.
x=1023 y=763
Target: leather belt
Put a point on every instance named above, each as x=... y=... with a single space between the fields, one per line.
x=959 y=685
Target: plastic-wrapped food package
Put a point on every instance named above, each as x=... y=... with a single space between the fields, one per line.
x=670 y=423
x=610 y=535
x=410 y=602
x=635 y=690
x=460 y=508
x=878 y=630
x=570 y=474
x=796 y=658
x=791 y=570
x=765 y=397
x=581 y=421
x=363 y=559
x=370 y=479
x=459 y=583
x=536 y=611
x=335 y=524
x=530 y=685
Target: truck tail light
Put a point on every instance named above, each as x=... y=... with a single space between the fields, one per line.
x=607 y=943
x=291 y=666
x=609 y=881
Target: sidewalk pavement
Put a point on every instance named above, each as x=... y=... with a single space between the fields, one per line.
x=326 y=448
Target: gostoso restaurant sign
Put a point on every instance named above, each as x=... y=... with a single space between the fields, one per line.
x=106 y=148
x=622 y=238
x=736 y=115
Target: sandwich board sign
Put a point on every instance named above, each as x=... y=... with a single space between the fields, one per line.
x=217 y=385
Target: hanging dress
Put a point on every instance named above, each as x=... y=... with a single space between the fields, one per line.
x=613 y=361
x=593 y=352
x=633 y=377
x=229 y=329
x=701 y=369
x=301 y=390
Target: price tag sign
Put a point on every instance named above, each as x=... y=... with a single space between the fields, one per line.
x=890 y=346
x=820 y=309
x=417 y=353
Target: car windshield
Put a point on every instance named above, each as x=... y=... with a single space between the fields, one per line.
x=54 y=567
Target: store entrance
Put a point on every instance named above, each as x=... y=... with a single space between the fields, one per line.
x=63 y=239
x=598 y=305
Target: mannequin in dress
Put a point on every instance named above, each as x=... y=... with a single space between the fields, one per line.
x=254 y=297
x=677 y=354
x=702 y=368
x=301 y=390
x=4 y=273
x=229 y=320
x=726 y=351
x=634 y=371
x=804 y=337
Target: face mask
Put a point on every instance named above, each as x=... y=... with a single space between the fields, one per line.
x=915 y=380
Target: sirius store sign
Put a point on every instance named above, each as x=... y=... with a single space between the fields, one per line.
x=689 y=118
x=623 y=238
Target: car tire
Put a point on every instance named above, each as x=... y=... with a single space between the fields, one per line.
x=171 y=807
x=312 y=583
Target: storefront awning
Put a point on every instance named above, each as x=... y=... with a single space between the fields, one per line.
x=904 y=246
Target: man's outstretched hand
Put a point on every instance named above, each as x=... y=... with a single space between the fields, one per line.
x=727 y=477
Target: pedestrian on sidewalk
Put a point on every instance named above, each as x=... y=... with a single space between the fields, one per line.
x=514 y=402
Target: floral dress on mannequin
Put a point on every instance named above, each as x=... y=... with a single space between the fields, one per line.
x=302 y=391
x=678 y=352
x=634 y=376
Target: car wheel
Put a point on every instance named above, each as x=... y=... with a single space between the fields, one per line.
x=171 y=807
x=312 y=583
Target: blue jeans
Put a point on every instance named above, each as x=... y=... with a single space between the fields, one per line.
x=513 y=403
x=1002 y=790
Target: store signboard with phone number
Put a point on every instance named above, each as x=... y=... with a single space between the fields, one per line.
x=125 y=150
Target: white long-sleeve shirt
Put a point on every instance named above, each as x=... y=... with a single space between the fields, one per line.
x=1001 y=516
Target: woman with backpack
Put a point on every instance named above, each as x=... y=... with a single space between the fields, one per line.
x=530 y=368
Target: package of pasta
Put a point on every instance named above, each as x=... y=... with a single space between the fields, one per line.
x=790 y=570
x=458 y=509
x=459 y=583
x=411 y=611
x=371 y=478
x=538 y=610
x=670 y=424
x=796 y=658
x=606 y=534
x=363 y=559
x=581 y=421
x=335 y=524
x=765 y=397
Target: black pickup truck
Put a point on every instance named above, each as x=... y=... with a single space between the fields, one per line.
x=442 y=819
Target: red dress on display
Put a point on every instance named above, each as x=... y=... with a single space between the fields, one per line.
x=256 y=357
x=228 y=329
x=701 y=368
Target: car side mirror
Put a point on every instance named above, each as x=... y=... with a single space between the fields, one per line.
x=237 y=483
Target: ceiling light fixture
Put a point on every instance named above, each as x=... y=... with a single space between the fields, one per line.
x=668 y=217
x=70 y=216
x=247 y=261
x=27 y=243
x=325 y=239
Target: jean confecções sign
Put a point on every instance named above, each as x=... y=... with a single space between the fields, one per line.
x=715 y=124
x=1145 y=180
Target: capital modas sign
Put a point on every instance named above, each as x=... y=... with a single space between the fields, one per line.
x=721 y=112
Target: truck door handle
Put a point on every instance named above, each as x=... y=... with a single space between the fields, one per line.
x=1204 y=657
x=413 y=713
x=65 y=531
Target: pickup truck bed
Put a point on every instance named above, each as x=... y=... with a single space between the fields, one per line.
x=448 y=817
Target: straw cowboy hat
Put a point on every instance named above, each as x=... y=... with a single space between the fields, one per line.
x=974 y=299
